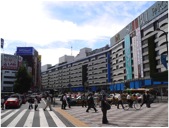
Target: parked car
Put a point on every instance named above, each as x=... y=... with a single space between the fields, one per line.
x=12 y=102
x=16 y=95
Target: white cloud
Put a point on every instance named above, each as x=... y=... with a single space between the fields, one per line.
x=51 y=56
x=27 y=21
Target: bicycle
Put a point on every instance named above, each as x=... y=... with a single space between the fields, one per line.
x=136 y=105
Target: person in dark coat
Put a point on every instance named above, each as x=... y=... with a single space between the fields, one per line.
x=31 y=101
x=69 y=98
x=146 y=99
x=104 y=110
x=91 y=103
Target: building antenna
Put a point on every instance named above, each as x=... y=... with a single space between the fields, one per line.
x=71 y=50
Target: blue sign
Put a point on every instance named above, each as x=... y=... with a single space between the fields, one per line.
x=164 y=60
x=25 y=51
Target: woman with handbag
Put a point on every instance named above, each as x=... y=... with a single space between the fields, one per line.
x=104 y=107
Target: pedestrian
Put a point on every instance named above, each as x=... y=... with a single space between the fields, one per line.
x=104 y=109
x=48 y=102
x=129 y=100
x=36 y=102
x=69 y=101
x=64 y=101
x=61 y=99
x=84 y=104
x=146 y=99
x=30 y=101
x=91 y=103
x=120 y=101
x=2 y=102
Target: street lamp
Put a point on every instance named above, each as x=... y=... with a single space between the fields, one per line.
x=166 y=33
x=163 y=57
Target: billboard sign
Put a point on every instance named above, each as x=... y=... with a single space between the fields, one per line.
x=128 y=57
x=9 y=62
x=25 y=51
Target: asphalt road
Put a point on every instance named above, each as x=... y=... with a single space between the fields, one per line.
x=24 y=117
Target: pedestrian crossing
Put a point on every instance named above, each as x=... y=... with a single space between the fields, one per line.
x=30 y=118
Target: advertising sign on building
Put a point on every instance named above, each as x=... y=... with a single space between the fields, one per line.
x=139 y=53
x=25 y=51
x=128 y=57
x=9 y=62
x=135 y=59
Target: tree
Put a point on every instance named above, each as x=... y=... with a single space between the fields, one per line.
x=23 y=81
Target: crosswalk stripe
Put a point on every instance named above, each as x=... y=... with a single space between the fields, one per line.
x=16 y=120
x=8 y=116
x=57 y=121
x=42 y=117
x=5 y=112
x=29 y=120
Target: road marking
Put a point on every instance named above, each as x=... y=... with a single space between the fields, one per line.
x=17 y=119
x=29 y=120
x=76 y=122
x=42 y=117
x=57 y=121
x=5 y=112
x=8 y=116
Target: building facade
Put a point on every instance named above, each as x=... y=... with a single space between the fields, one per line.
x=9 y=68
x=133 y=59
x=33 y=61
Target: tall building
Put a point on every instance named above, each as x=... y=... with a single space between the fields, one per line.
x=9 y=68
x=134 y=58
x=33 y=61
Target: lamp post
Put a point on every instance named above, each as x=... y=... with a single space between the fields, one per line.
x=163 y=57
x=166 y=33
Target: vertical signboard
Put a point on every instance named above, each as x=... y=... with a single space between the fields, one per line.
x=128 y=57
x=135 y=59
x=139 y=53
x=108 y=67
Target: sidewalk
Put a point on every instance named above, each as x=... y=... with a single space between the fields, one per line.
x=156 y=116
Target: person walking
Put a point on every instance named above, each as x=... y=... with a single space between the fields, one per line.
x=120 y=101
x=2 y=102
x=61 y=99
x=64 y=101
x=30 y=101
x=69 y=101
x=84 y=104
x=146 y=99
x=104 y=104
x=91 y=103
x=129 y=100
x=48 y=102
x=36 y=102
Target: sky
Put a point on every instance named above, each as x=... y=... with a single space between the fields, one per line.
x=52 y=27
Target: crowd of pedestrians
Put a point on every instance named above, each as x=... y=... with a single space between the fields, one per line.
x=87 y=101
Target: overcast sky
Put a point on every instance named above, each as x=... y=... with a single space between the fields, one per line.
x=52 y=26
